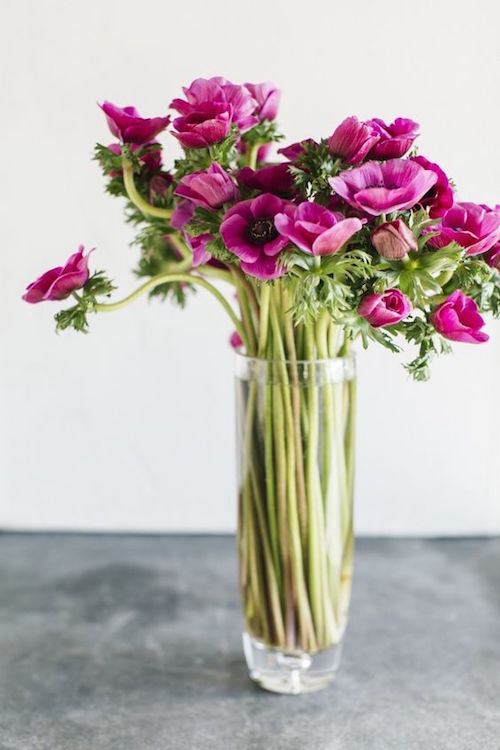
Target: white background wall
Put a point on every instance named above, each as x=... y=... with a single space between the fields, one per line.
x=131 y=427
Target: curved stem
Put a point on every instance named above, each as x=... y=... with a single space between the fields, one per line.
x=164 y=278
x=215 y=273
x=136 y=197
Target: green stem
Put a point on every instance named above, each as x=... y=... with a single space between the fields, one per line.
x=271 y=579
x=314 y=504
x=265 y=297
x=326 y=444
x=214 y=273
x=253 y=152
x=164 y=278
x=246 y=312
x=299 y=464
x=269 y=469
x=180 y=246
x=293 y=526
x=147 y=208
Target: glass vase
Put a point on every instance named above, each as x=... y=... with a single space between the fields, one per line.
x=295 y=443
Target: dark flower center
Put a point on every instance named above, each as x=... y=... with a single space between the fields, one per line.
x=262 y=230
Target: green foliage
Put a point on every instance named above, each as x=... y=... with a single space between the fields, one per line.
x=333 y=282
x=312 y=169
x=421 y=332
x=75 y=317
x=204 y=221
x=265 y=132
x=157 y=255
x=196 y=159
x=420 y=275
x=219 y=251
x=108 y=161
x=356 y=326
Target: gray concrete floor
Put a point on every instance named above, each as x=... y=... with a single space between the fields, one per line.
x=133 y=643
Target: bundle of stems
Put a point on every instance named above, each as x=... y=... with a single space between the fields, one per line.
x=296 y=429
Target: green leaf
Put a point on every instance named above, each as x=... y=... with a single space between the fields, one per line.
x=265 y=132
x=98 y=285
x=312 y=169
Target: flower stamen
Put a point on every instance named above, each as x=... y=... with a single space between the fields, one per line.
x=262 y=230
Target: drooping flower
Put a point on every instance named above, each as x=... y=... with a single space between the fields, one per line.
x=440 y=197
x=352 y=140
x=394 y=139
x=150 y=158
x=315 y=229
x=198 y=246
x=221 y=92
x=471 y=225
x=377 y=188
x=248 y=230
x=126 y=124
x=458 y=319
x=182 y=214
x=385 y=309
x=393 y=240
x=267 y=96
x=273 y=178
x=209 y=188
x=59 y=282
x=209 y=123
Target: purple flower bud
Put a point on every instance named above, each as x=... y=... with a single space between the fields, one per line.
x=458 y=319
x=384 y=309
x=393 y=240
x=235 y=340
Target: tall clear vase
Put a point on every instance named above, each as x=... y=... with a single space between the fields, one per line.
x=295 y=433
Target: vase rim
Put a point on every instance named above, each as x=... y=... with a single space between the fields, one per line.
x=351 y=357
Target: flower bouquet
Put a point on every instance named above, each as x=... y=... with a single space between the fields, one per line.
x=351 y=237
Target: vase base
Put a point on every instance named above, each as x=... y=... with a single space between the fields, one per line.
x=291 y=673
